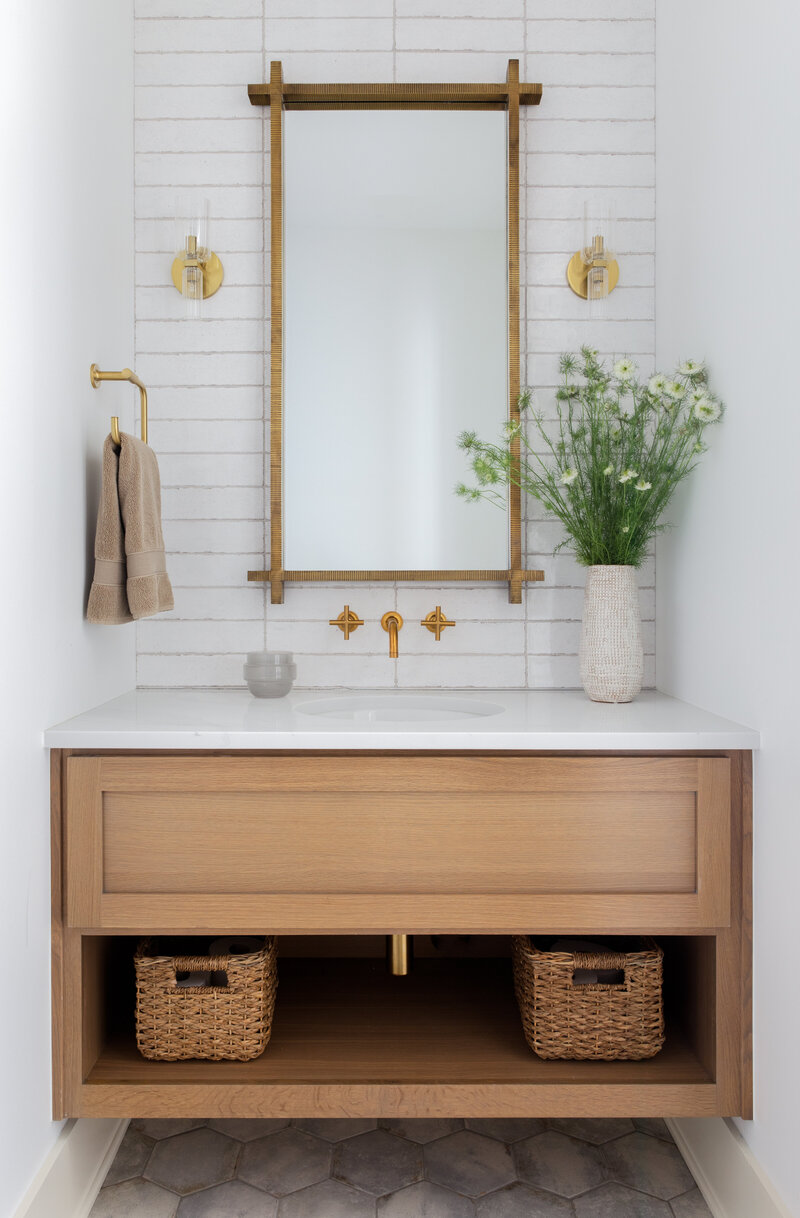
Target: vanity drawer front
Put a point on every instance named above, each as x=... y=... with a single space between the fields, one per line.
x=337 y=841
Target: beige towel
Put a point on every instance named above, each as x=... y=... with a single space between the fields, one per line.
x=130 y=572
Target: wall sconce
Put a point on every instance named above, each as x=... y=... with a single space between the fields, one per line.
x=196 y=271
x=593 y=272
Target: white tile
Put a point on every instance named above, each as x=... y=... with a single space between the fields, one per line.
x=243 y=270
x=208 y=402
x=194 y=102
x=220 y=671
x=236 y=34
x=459 y=67
x=552 y=638
x=213 y=536
x=556 y=68
x=553 y=672
x=560 y=202
x=617 y=337
x=321 y=602
x=326 y=67
x=320 y=638
x=193 y=637
x=590 y=169
x=211 y=469
x=212 y=570
x=630 y=236
x=597 y=103
x=327 y=34
x=198 y=8
x=219 y=604
x=201 y=369
x=237 y=68
x=224 y=202
x=591 y=36
x=200 y=337
x=460 y=8
x=234 y=303
x=611 y=9
x=624 y=303
x=194 y=169
x=428 y=34
x=575 y=135
x=210 y=435
x=442 y=671
x=475 y=603
x=212 y=503
x=344 y=671
x=465 y=638
x=546 y=604
x=243 y=133
x=329 y=8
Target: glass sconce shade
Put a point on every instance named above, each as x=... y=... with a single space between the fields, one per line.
x=191 y=243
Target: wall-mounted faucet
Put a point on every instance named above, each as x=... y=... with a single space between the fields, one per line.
x=393 y=623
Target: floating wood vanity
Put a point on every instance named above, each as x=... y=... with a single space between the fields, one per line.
x=204 y=813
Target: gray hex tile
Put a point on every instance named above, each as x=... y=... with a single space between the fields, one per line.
x=425 y=1200
x=192 y=1161
x=335 y=1130
x=648 y=1164
x=655 y=1126
x=690 y=1205
x=596 y=1130
x=285 y=1161
x=134 y=1199
x=519 y=1201
x=469 y=1163
x=245 y=1130
x=424 y=1129
x=378 y=1162
x=131 y=1157
x=331 y=1199
x=559 y=1164
x=166 y=1128
x=510 y=1129
x=616 y=1201
x=231 y=1200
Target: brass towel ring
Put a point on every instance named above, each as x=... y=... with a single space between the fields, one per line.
x=96 y=376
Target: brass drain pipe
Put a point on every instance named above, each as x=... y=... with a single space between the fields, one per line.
x=399 y=954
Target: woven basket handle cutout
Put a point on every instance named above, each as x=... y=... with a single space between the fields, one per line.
x=594 y=963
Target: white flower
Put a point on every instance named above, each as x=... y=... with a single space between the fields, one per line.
x=511 y=429
x=691 y=368
x=707 y=410
x=641 y=485
x=657 y=383
x=698 y=395
x=626 y=528
x=628 y=474
x=674 y=390
x=608 y=471
x=568 y=476
x=624 y=369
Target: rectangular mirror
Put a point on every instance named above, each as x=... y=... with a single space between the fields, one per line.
x=395 y=335
x=395 y=327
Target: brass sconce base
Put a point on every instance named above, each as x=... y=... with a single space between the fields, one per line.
x=399 y=954
x=213 y=274
x=577 y=272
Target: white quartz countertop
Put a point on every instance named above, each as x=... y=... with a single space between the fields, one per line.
x=387 y=719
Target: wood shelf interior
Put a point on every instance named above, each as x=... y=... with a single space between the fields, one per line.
x=347 y=1021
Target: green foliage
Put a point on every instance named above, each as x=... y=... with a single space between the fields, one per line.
x=619 y=450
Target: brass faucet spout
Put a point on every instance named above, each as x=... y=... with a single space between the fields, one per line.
x=392 y=623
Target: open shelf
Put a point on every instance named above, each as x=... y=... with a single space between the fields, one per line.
x=350 y=1040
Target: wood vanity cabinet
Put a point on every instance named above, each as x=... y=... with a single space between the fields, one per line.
x=427 y=843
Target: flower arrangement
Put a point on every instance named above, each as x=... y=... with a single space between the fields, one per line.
x=621 y=448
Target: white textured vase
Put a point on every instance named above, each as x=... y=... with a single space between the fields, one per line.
x=611 y=654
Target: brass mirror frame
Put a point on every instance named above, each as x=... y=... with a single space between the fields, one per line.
x=280 y=96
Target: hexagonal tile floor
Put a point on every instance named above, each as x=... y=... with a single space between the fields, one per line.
x=399 y=1169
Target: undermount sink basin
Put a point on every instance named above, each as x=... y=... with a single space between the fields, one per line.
x=400 y=708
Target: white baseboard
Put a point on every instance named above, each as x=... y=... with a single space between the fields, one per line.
x=69 y=1180
x=726 y=1170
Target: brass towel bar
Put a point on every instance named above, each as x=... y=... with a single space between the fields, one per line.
x=96 y=376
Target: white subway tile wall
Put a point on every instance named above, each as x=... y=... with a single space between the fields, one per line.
x=195 y=129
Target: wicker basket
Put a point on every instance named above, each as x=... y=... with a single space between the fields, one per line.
x=218 y=1022
x=562 y=1019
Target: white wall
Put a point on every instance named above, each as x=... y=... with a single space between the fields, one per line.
x=66 y=219
x=593 y=132
x=728 y=203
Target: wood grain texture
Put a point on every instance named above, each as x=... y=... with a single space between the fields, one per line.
x=393 y=95
x=84 y=840
x=275 y=98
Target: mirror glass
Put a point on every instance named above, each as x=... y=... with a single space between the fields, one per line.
x=395 y=336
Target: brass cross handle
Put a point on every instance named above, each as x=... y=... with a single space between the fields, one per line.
x=346 y=621
x=436 y=622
